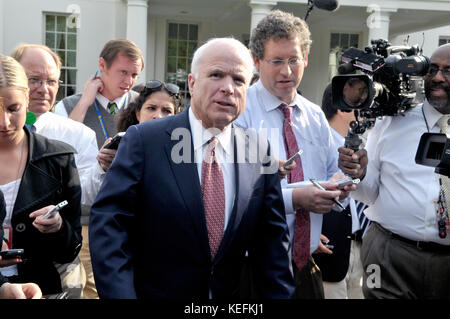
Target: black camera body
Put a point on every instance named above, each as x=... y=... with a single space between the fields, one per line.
x=434 y=151
x=386 y=86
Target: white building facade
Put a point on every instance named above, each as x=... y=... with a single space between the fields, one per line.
x=168 y=31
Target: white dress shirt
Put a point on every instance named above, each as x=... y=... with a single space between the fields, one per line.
x=83 y=139
x=311 y=129
x=200 y=137
x=400 y=193
x=121 y=102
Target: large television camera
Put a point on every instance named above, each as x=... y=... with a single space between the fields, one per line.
x=386 y=85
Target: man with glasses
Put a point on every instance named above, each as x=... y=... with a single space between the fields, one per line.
x=280 y=45
x=403 y=253
x=120 y=64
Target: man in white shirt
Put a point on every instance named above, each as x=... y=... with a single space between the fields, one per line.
x=43 y=69
x=402 y=252
x=280 y=46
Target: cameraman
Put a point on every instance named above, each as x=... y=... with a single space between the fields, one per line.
x=402 y=254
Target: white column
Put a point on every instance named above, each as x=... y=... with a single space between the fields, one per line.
x=378 y=22
x=137 y=27
x=1 y=26
x=260 y=9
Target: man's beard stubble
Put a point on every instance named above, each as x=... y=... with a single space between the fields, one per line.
x=441 y=104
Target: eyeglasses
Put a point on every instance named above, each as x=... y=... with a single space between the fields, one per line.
x=433 y=70
x=35 y=83
x=293 y=62
x=156 y=85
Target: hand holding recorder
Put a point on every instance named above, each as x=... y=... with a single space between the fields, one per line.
x=48 y=219
x=108 y=151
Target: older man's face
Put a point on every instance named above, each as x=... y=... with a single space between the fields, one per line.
x=218 y=91
x=437 y=86
x=43 y=77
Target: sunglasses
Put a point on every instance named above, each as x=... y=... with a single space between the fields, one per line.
x=156 y=85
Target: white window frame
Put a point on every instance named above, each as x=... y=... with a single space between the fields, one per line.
x=337 y=51
x=179 y=76
x=65 y=88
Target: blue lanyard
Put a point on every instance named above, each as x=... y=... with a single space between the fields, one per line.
x=100 y=119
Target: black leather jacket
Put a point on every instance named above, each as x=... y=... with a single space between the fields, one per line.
x=2 y=216
x=50 y=177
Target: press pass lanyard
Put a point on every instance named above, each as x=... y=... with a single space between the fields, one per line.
x=442 y=205
x=100 y=117
x=442 y=213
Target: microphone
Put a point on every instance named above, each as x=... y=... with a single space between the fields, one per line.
x=329 y=5
x=346 y=68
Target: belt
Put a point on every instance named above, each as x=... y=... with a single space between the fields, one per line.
x=422 y=245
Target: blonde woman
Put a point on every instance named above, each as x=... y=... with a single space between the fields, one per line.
x=35 y=175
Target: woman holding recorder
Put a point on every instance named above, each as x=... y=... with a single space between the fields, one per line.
x=35 y=175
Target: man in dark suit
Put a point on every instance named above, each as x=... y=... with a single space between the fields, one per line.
x=175 y=217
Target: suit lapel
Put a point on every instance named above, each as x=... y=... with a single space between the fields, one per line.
x=186 y=176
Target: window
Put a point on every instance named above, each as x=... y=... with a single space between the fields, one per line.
x=61 y=37
x=182 y=42
x=339 y=42
x=444 y=40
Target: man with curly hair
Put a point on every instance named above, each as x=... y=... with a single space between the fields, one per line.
x=280 y=45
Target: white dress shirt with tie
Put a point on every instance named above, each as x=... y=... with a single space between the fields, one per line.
x=200 y=137
x=400 y=193
x=313 y=135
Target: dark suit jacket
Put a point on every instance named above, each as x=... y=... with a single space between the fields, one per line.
x=148 y=235
x=337 y=226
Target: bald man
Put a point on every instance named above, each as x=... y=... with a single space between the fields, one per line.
x=166 y=225
x=402 y=252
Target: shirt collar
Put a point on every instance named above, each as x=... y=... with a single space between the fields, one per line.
x=271 y=102
x=201 y=136
x=104 y=101
x=431 y=114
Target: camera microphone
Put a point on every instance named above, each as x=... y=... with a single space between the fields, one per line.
x=346 y=68
x=329 y=5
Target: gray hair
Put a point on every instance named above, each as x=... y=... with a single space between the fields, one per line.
x=242 y=50
x=279 y=25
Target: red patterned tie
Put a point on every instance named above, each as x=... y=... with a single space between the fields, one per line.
x=302 y=221
x=213 y=193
